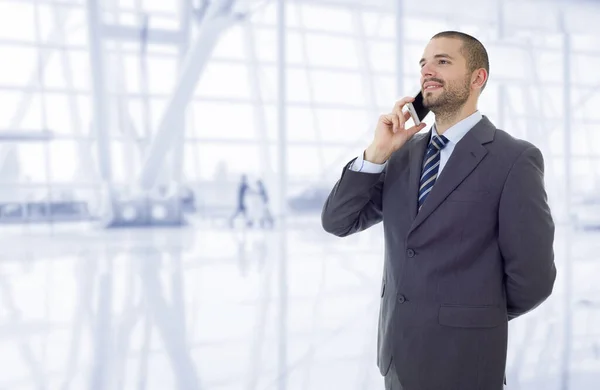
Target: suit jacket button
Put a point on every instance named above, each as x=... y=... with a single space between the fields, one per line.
x=410 y=253
x=401 y=298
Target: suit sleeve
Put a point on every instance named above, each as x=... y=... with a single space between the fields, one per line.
x=526 y=235
x=361 y=165
x=354 y=204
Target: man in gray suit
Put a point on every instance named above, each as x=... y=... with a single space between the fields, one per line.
x=468 y=231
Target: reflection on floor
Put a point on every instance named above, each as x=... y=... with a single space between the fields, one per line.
x=200 y=308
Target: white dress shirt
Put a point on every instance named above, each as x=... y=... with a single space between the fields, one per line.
x=454 y=134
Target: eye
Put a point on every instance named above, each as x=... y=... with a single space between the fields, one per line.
x=443 y=62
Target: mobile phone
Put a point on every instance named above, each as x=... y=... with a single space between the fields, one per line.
x=417 y=110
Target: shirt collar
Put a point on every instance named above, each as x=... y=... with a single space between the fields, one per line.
x=458 y=131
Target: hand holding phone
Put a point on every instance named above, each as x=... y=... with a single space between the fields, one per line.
x=417 y=110
x=391 y=133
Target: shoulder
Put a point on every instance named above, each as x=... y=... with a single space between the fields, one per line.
x=511 y=147
x=521 y=158
x=509 y=141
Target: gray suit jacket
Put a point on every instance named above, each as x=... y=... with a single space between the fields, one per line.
x=478 y=254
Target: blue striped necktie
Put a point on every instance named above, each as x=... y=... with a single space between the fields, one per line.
x=431 y=166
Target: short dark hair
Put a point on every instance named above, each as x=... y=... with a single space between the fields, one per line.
x=471 y=49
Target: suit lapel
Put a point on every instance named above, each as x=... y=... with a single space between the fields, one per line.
x=416 y=153
x=467 y=154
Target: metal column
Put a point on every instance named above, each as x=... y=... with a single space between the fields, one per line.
x=219 y=17
x=100 y=111
x=282 y=181
x=501 y=88
x=568 y=278
x=399 y=48
x=185 y=14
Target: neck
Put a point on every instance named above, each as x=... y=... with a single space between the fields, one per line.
x=446 y=119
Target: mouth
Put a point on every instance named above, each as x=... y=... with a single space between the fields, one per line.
x=432 y=87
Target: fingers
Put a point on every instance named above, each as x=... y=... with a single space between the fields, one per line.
x=395 y=122
x=397 y=118
x=415 y=129
x=401 y=121
x=387 y=119
x=397 y=112
x=400 y=103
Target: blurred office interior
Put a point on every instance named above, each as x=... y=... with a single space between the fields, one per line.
x=131 y=131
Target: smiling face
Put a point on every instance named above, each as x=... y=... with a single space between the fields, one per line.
x=445 y=77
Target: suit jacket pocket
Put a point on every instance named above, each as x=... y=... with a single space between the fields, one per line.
x=471 y=316
x=468 y=196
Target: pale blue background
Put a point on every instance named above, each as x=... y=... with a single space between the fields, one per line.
x=111 y=279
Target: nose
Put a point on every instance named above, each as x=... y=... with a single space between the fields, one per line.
x=427 y=71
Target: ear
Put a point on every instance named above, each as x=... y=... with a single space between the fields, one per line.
x=479 y=78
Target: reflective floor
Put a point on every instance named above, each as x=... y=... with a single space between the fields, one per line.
x=207 y=307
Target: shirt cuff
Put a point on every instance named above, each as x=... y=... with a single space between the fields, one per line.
x=361 y=165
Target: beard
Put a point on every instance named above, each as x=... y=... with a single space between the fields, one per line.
x=450 y=99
